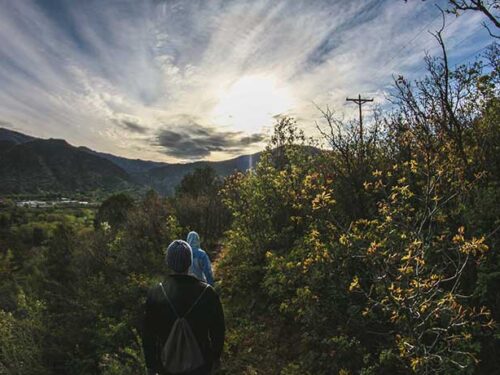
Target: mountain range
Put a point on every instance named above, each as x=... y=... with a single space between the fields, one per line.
x=30 y=165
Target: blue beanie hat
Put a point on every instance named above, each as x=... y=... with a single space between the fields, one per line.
x=179 y=256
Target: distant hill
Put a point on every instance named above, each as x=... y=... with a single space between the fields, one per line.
x=8 y=135
x=129 y=165
x=165 y=178
x=53 y=165
x=34 y=165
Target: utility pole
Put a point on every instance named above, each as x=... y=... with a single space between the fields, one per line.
x=359 y=101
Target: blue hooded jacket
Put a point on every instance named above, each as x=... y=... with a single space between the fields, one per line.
x=201 y=266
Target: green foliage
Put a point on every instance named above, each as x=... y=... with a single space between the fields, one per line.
x=404 y=285
x=90 y=283
x=20 y=338
x=198 y=206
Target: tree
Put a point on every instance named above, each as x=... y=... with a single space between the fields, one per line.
x=114 y=211
x=489 y=8
x=198 y=206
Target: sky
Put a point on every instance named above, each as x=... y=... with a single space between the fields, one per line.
x=179 y=81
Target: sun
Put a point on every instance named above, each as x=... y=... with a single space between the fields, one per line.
x=250 y=103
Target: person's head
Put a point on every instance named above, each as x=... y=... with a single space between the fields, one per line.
x=193 y=239
x=179 y=256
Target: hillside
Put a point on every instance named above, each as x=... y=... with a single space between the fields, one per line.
x=40 y=166
x=129 y=165
x=167 y=177
x=8 y=135
x=34 y=165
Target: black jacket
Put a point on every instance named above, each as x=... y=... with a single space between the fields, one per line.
x=206 y=319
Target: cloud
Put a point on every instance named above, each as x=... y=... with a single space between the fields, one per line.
x=132 y=126
x=110 y=75
x=193 y=141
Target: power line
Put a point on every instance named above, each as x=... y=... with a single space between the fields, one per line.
x=472 y=54
x=467 y=37
x=412 y=40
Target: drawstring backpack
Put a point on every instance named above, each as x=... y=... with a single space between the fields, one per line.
x=181 y=352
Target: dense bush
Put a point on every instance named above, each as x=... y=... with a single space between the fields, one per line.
x=313 y=285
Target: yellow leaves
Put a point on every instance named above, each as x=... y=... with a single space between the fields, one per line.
x=322 y=200
x=373 y=247
x=394 y=317
x=406 y=192
x=435 y=277
x=475 y=246
x=344 y=240
x=407 y=257
x=416 y=283
x=459 y=237
x=306 y=264
x=396 y=292
x=401 y=345
x=314 y=234
x=394 y=196
x=354 y=284
x=378 y=184
x=423 y=308
x=416 y=244
x=406 y=270
x=416 y=363
x=413 y=166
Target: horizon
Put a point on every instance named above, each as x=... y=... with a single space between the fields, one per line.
x=177 y=82
x=133 y=159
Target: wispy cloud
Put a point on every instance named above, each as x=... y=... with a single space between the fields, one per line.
x=131 y=77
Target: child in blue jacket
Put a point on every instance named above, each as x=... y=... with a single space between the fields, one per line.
x=201 y=266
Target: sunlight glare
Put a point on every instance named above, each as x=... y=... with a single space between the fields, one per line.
x=251 y=102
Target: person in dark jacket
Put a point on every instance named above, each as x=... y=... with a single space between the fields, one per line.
x=206 y=318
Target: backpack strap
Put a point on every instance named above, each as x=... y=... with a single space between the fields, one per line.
x=169 y=302
x=197 y=300
x=192 y=306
